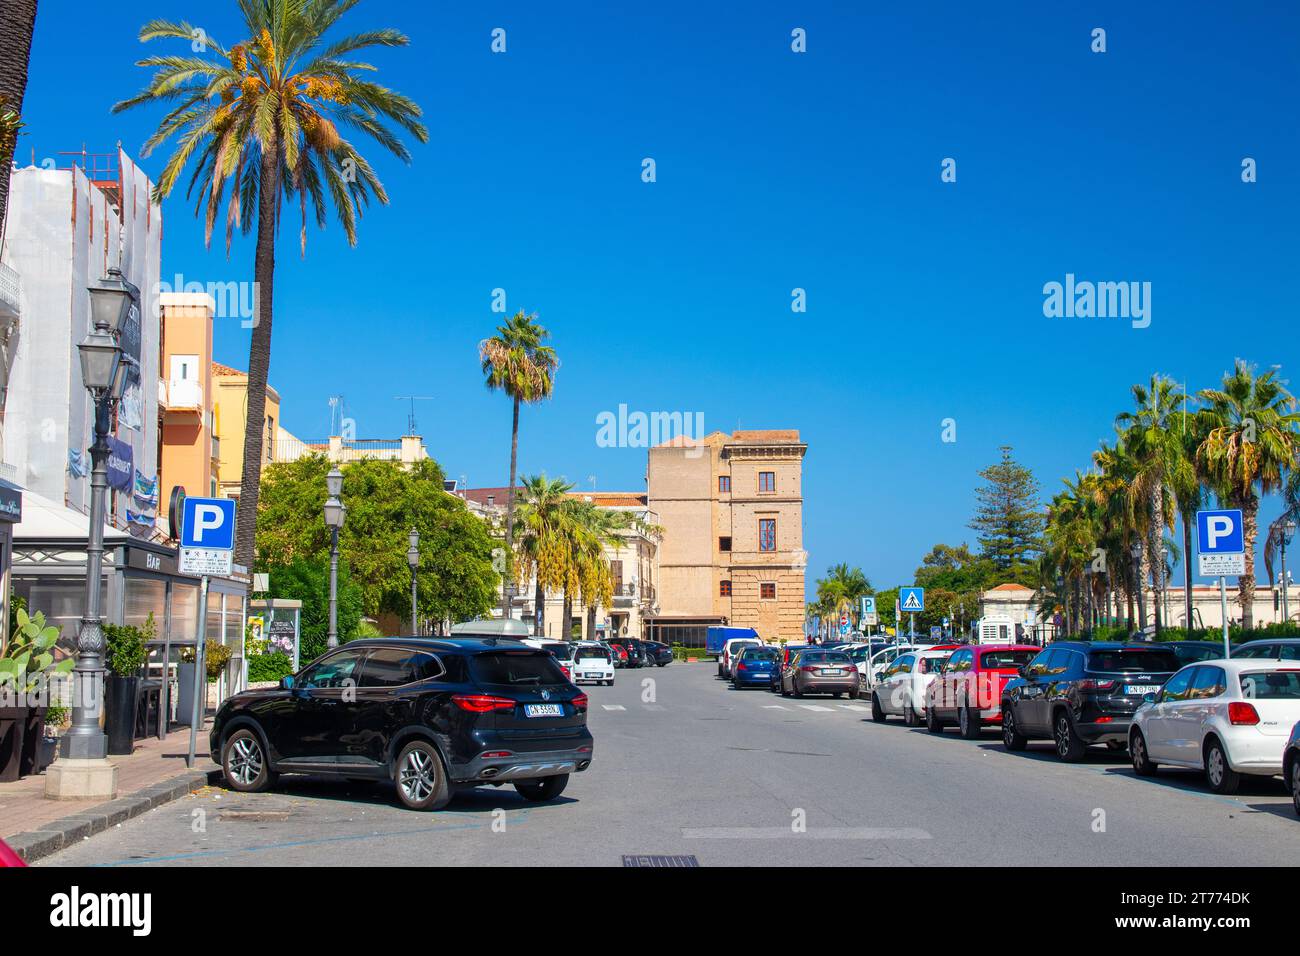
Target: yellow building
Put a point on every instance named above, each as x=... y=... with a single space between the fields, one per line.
x=731 y=507
x=230 y=387
x=187 y=447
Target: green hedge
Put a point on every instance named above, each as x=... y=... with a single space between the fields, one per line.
x=269 y=667
x=1236 y=635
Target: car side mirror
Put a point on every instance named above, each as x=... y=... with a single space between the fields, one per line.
x=286 y=682
x=1148 y=698
x=1023 y=670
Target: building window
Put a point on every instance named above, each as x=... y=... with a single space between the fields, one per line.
x=724 y=589
x=616 y=575
x=724 y=544
x=724 y=484
x=270 y=438
x=767 y=590
x=767 y=481
x=767 y=534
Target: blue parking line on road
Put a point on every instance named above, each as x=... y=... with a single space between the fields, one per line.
x=198 y=854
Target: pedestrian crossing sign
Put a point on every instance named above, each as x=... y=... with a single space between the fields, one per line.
x=912 y=599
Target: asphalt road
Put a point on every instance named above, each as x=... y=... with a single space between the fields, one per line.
x=685 y=766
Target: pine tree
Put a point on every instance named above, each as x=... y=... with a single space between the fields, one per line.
x=1009 y=519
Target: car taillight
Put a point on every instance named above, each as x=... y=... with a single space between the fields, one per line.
x=808 y=668
x=742 y=667
x=496 y=753
x=482 y=703
x=579 y=702
x=1242 y=713
x=1091 y=684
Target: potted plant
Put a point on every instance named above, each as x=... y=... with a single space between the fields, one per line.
x=215 y=657
x=124 y=646
x=25 y=673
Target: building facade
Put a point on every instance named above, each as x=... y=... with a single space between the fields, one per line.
x=187 y=440
x=731 y=508
x=230 y=414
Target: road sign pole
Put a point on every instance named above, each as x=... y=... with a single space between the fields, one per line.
x=1223 y=605
x=911 y=627
x=200 y=672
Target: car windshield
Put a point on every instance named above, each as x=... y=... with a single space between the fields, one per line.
x=824 y=657
x=591 y=654
x=737 y=648
x=1190 y=653
x=752 y=654
x=516 y=668
x=932 y=665
x=1132 y=660
x=1004 y=660
x=1271 y=685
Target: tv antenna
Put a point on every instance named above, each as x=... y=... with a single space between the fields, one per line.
x=336 y=414
x=410 y=418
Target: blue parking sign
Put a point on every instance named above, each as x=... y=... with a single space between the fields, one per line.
x=1220 y=532
x=208 y=523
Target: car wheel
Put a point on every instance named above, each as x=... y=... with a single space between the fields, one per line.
x=909 y=716
x=1143 y=765
x=548 y=788
x=855 y=694
x=1221 y=777
x=838 y=694
x=932 y=722
x=968 y=724
x=421 y=781
x=877 y=712
x=1295 y=786
x=243 y=762
x=784 y=692
x=1069 y=746
x=1012 y=738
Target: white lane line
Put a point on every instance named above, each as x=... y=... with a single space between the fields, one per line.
x=613 y=706
x=653 y=706
x=775 y=707
x=817 y=707
x=858 y=707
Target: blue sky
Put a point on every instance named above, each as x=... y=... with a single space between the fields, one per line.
x=775 y=170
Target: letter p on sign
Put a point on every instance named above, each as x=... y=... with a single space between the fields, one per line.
x=1220 y=532
x=209 y=523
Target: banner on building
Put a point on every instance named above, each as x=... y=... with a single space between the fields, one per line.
x=121 y=464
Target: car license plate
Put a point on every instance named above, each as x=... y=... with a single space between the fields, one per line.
x=1139 y=690
x=543 y=710
x=831 y=672
x=591 y=675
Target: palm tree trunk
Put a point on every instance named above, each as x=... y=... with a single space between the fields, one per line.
x=1158 y=553
x=17 y=21
x=1246 y=583
x=566 y=623
x=1143 y=572
x=259 y=361
x=1187 y=570
x=510 y=513
x=591 y=622
x=539 y=608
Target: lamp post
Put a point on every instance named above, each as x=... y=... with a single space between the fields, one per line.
x=85 y=770
x=1288 y=532
x=335 y=514
x=1136 y=551
x=413 y=559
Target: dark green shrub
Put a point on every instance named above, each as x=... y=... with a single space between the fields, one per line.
x=269 y=667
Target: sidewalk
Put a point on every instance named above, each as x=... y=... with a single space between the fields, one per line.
x=154 y=774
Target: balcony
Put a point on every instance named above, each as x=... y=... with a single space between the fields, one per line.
x=181 y=396
x=11 y=288
x=628 y=595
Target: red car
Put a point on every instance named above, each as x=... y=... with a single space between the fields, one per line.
x=968 y=691
x=8 y=857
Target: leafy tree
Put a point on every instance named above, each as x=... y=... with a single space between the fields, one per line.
x=1008 y=518
x=1250 y=442
x=544 y=516
x=262 y=119
x=17 y=21
x=385 y=500
x=308 y=580
x=518 y=362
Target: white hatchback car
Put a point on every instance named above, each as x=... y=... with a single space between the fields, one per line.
x=592 y=662
x=900 y=689
x=731 y=650
x=1226 y=717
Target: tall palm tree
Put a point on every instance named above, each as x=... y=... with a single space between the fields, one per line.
x=1116 y=469
x=17 y=21
x=842 y=590
x=544 y=516
x=262 y=122
x=518 y=362
x=1153 y=436
x=1250 y=443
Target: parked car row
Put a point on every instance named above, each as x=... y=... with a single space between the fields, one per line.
x=1175 y=704
x=792 y=670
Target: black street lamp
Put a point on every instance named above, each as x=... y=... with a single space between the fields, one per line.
x=84 y=769
x=336 y=513
x=1135 y=549
x=413 y=559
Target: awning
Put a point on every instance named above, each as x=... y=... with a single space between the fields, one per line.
x=45 y=520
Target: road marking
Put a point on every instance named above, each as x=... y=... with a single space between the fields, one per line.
x=775 y=707
x=817 y=707
x=613 y=706
x=815 y=833
x=858 y=707
x=653 y=706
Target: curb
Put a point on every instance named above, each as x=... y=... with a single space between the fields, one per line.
x=54 y=836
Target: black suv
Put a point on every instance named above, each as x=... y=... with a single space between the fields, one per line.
x=432 y=715
x=1077 y=693
x=657 y=653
